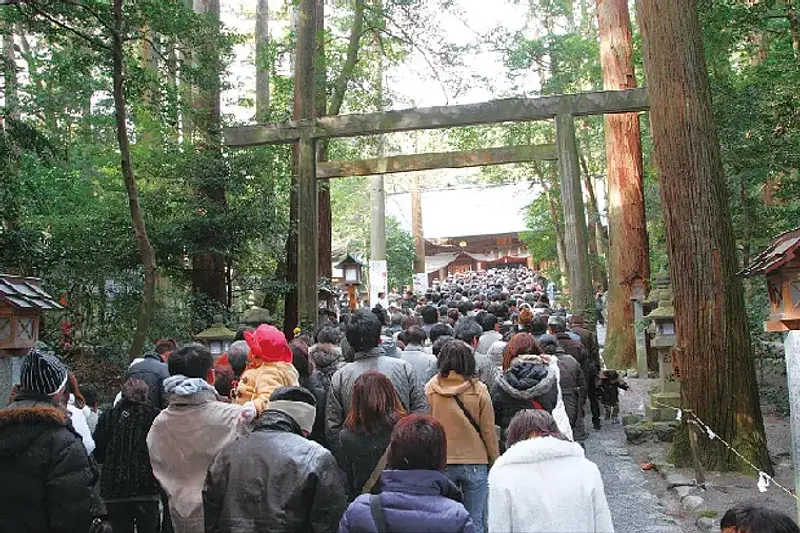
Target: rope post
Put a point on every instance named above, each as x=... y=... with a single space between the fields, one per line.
x=700 y=477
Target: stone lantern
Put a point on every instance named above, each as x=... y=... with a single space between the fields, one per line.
x=662 y=320
x=780 y=263
x=217 y=338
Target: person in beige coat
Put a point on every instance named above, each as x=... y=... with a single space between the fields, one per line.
x=187 y=435
x=461 y=402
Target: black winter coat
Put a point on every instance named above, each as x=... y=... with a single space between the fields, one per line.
x=121 y=439
x=273 y=479
x=359 y=456
x=524 y=383
x=152 y=371
x=45 y=475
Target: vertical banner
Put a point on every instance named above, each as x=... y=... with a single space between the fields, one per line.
x=420 y=283
x=378 y=280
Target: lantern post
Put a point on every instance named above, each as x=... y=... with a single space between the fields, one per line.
x=352 y=272
x=638 y=290
x=780 y=263
x=662 y=318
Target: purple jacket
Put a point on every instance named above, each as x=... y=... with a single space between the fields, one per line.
x=413 y=501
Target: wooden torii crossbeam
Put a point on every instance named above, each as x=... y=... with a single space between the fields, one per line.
x=562 y=109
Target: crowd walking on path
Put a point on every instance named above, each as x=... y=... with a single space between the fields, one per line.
x=462 y=411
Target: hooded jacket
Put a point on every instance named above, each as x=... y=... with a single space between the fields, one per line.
x=412 y=501
x=340 y=395
x=153 y=371
x=464 y=444
x=547 y=485
x=327 y=359
x=273 y=479
x=46 y=477
x=271 y=367
x=524 y=383
x=184 y=439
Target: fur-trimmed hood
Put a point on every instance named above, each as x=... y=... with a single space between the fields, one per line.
x=24 y=421
x=539 y=449
x=527 y=379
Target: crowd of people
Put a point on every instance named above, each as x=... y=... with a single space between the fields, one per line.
x=460 y=411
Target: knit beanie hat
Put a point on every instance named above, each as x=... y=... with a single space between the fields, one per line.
x=42 y=373
x=269 y=344
x=296 y=402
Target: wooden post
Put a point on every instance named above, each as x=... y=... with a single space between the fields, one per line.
x=307 y=205
x=351 y=298
x=700 y=478
x=641 y=348
x=416 y=226
x=574 y=216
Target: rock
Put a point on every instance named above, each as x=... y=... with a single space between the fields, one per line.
x=632 y=373
x=665 y=431
x=678 y=480
x=691 y=503
x=683 y=491
x=638 y=433
x=631 y=418
x=706 y=524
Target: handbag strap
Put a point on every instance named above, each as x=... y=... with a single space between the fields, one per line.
x=376 y=472
x=378 y=516
x=471 y=419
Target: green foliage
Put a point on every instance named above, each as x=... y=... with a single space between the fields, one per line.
x=541 y=236
x=400 y=254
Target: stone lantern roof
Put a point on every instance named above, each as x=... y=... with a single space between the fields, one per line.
x=216 y=332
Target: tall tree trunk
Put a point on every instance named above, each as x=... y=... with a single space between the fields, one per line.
x=597 y=247
x=262 y=61
x=561 y=249
x=324 y=221
x=628 y=253
x=146 y=252
x=714 y=353
x=10 y=71
x=208 y=262
x=416 y=225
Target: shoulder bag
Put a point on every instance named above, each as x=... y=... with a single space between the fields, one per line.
x=376 y=472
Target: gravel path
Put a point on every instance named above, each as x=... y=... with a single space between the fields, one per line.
x=634 y=508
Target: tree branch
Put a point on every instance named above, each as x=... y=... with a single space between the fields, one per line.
x=351 y=59
x=93 y=41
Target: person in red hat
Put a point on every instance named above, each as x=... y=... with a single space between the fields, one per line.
x=270 y=368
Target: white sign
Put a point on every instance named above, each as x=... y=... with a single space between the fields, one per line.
x=420 y=283
x=378 y=280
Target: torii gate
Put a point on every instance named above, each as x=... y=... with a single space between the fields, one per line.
x=308 y=131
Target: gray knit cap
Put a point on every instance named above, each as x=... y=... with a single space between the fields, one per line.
x=42 y=373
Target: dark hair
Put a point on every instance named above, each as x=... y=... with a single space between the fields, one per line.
x=223 y=381
x=489 y=322
x=467 y=330
x=364 y=331
x=135 y=390
x=408 y=322
x=418 y=443
x=520 y=344
x=539 y=324
x=328 y=335
x=165 y=345
x=465 y=307
x=191 y=360
x=381 y=314
x=439 y=330
x=557 y=324
x=453 y=314
x=90 y=395
x=375 y=405
x=458 y=357
x=753 y=519
x=300 y=359
x=439 y=344
x=548 y=344
x=430 y=315
x=530 y=421
x=414 y=335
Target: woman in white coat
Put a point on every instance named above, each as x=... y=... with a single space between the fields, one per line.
x=544 y=484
